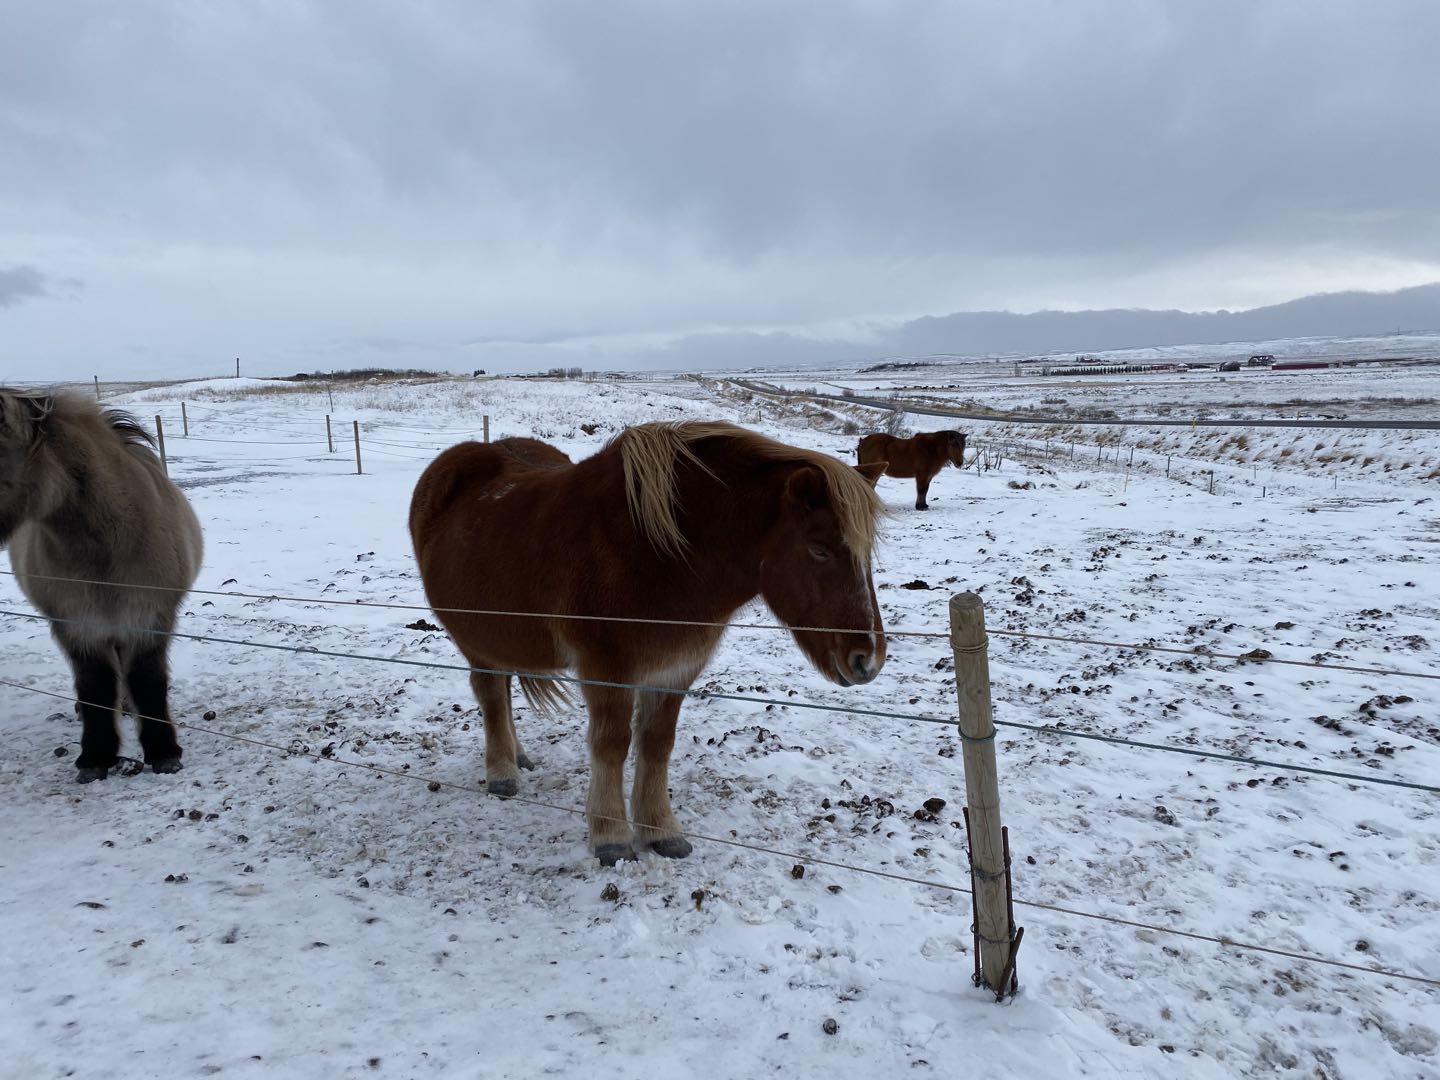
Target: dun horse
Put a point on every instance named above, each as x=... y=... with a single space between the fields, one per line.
x=84 y=499
x=921 y=456
x=682 y=522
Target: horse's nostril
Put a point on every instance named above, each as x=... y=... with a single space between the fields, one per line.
x=863 y=667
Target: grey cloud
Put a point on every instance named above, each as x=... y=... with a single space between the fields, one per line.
x=21 y=283
x=898 y=130
x=519 y=173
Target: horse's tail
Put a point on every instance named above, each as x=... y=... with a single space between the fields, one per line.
x=545 y=696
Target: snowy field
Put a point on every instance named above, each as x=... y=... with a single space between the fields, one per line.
x=323 y=891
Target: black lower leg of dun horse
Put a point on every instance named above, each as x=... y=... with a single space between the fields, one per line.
x=148 y=679
x=96 y=686
x=922 y=488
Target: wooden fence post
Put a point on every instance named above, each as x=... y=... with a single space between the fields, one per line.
x=160 y=438
x=184 y=421
x=329 y=438
x=97 y=387
x=486 y=420
x=358 y=469
x=989 y=874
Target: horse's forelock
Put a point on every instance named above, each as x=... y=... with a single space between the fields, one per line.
x=23 y=413
x=649 y=453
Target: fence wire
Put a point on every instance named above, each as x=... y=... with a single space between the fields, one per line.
x=717 y=695
x=1195 y=651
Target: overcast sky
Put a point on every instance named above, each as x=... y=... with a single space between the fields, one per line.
x=516 y=185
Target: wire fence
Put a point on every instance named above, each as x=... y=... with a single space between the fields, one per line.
x=1253 y=656
x=435 y=783
x=398 y=448
x=564 y=680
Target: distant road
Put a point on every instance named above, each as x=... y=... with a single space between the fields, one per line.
x=901 y=405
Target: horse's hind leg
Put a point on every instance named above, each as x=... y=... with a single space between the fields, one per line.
x=96 y=688
x=147 y=677
x=610 y=711
x=503 y=757
x=655 y=823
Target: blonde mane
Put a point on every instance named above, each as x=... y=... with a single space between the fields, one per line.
x=649 y=453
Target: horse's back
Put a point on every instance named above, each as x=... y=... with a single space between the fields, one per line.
x=472 y=467
x=899 y=455
x=125 y=523
x=485 y=520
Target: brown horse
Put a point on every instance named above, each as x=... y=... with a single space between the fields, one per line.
x=921 y=456
x=670 y=521
x=83 y=497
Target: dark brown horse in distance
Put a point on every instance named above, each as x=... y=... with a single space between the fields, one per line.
x=920 y=456
x=671 y=525
x=83 y=500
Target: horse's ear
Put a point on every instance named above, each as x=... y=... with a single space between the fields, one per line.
x=806 y=487
x=872 y=471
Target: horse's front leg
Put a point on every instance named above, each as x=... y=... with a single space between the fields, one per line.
x=922 y=488
x=610 y=710
x=655 y=823
x=97 y=686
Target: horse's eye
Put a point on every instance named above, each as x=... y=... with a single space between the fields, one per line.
x=819 y=553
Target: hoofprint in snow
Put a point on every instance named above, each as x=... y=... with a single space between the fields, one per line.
x=276 y=909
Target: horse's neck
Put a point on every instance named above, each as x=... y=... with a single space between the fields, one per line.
x=726 y=530
x=84 y=495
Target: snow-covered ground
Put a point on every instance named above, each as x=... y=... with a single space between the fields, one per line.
x=270 y=913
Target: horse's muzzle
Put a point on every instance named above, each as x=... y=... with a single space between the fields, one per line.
x=861 y=666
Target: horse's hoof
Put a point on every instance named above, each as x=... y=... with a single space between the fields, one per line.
x=672 y=847
x=166 y=765
x=922 y=506
x=504 y=789
x=525 y=763
x=610 y=854
x=88 y=774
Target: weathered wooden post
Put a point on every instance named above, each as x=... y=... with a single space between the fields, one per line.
x=329 y=438
x=160 y=440
x=184 y=421
x=996 y=939
x=97 y=387
x=486 y=421
x=358 y=469
x=1211 y=490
